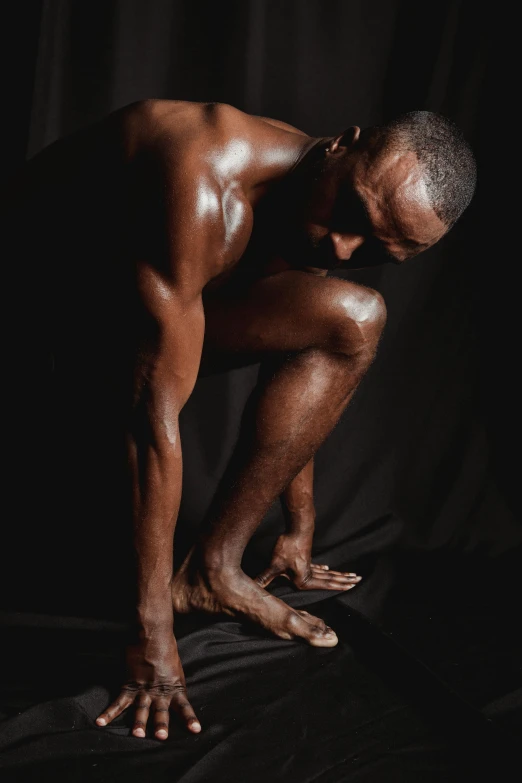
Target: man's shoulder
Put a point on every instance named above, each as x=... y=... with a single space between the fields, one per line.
x=177 y=127
x=182 y=137
x=211 y=146
x=161 y=125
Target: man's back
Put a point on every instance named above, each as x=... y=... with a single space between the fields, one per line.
x=117 y=189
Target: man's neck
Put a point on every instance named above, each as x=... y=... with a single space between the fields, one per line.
x=282 y=165
x=306 y=151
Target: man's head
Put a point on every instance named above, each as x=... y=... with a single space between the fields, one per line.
x=384 y=194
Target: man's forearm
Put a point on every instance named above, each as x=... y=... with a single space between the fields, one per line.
x=297 y=501
x=157 y=473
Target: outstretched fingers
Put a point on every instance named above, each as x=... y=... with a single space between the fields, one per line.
x=142 y=715
x=124 y=700
x=318 y=578
x=161 y=718
x=182 y=706
x=325 y=570
x=151 y=703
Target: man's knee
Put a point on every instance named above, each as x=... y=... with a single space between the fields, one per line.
x=358 y=319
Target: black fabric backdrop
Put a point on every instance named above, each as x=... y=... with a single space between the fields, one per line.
x=416 y=488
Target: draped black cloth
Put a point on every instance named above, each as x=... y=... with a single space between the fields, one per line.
x=416 y=488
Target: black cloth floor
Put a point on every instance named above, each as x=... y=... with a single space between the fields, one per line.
x=425 y=684
x=431 y=691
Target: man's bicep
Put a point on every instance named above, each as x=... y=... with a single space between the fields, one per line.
x=170 y=340
x=191 y=229
x=178 y=351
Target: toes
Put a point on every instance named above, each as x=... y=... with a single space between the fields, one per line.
x=328 y=638
x=312 y=629
x=316 y=622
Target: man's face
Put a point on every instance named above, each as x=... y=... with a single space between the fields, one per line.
x=366 y=209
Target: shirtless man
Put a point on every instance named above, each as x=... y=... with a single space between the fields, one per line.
x=225 y=226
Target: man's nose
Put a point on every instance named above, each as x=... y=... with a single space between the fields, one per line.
x=345 y=244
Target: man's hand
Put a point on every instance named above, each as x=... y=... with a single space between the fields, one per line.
x=292 y=557
x=155 y=684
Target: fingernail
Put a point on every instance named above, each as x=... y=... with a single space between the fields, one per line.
x=139 y=733
x=330 y=633
x=162 y=734
x=195 y=726
x=358 y=578
x=101 y=721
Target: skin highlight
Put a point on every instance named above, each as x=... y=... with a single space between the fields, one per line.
x=233 y=222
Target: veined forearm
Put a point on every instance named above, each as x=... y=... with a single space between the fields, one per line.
x=157 y=474
x=164 y=379
x=297 y=500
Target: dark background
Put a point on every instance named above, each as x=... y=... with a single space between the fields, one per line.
x=418 y=485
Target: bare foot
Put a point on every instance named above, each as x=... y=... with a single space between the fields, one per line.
x=233 y=592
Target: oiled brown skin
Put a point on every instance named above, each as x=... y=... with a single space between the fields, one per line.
x=176 y=187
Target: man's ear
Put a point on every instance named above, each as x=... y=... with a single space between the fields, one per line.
x=347 y=139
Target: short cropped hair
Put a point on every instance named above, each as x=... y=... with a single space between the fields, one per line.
x=450 y=170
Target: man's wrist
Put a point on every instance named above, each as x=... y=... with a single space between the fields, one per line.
x=300 y=520
x=154 y=614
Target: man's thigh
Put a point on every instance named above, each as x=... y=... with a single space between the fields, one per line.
x=286 y=312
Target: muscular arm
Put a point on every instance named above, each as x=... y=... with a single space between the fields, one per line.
x=155 y=450
x=170 y=329
x=164 y=379
x=170 y=291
